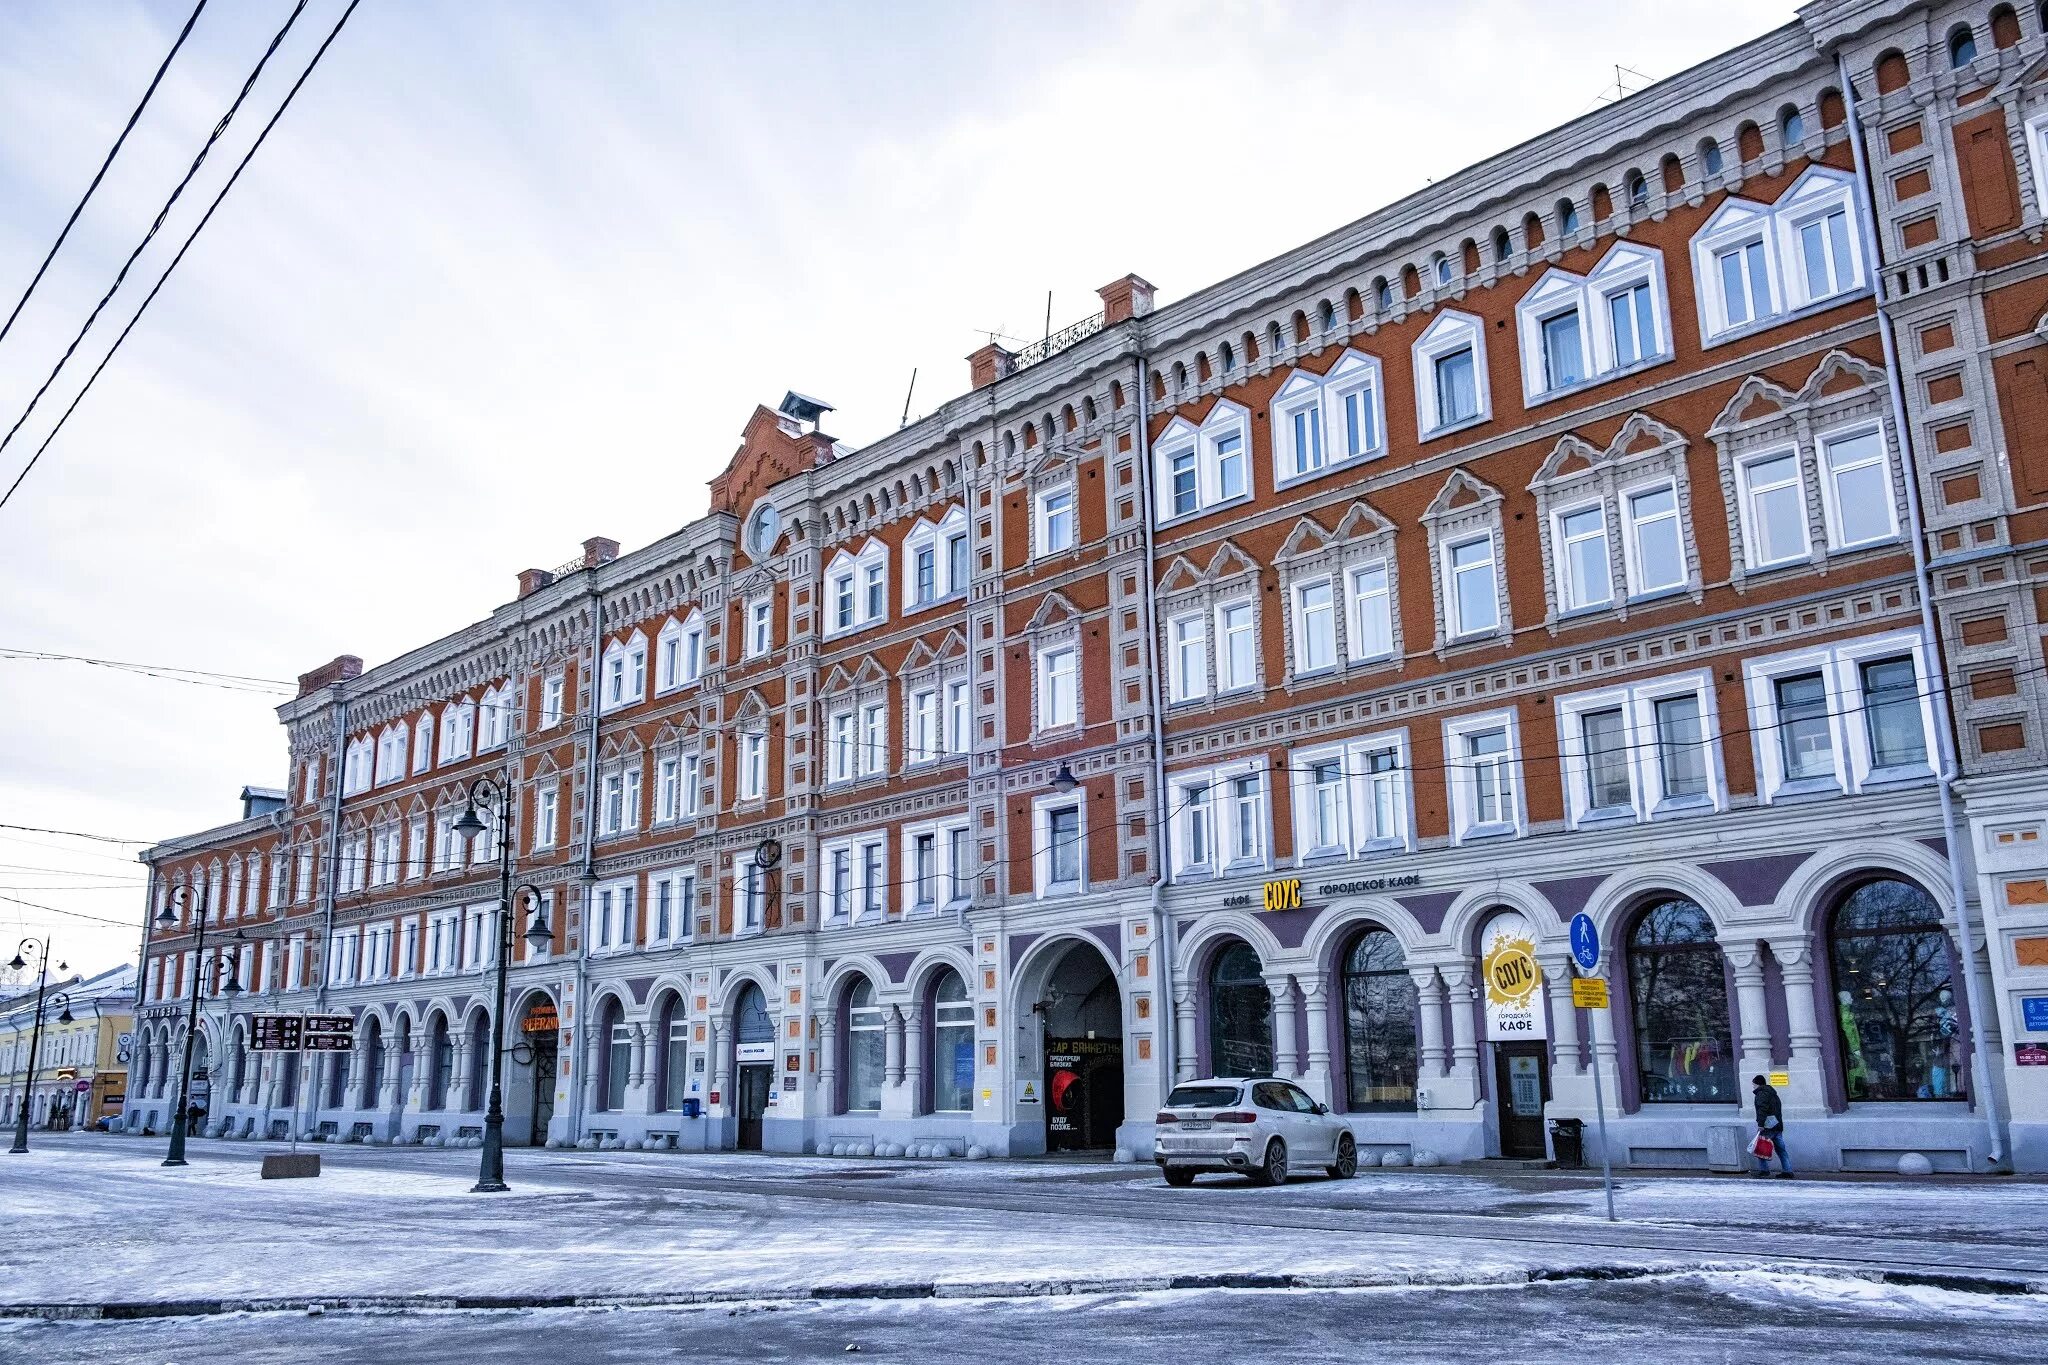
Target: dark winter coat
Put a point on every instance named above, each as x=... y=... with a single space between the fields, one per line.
x=1768 y=1107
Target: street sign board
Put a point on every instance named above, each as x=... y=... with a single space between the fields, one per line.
x=1585 y=942
x=1589 y=992
x=276 y=1032
x=330 y=1032
x=2034 y=1013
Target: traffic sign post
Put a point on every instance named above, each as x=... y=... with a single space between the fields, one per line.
x=1590 y=992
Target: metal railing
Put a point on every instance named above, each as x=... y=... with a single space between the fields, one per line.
x=1059 y=341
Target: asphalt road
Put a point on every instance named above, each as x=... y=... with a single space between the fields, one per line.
x=1691 y=1317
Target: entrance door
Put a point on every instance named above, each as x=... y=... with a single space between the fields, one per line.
x=753 y=1103
x=1521 y=1085
x=544 y=1063
x=1084 y=1093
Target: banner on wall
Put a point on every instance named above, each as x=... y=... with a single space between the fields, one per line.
x=1513 y=981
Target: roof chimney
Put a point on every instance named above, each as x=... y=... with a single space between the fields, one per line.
x=532 y=581
x=1124 y=299
x=989 y=364
x=599 y=550
x=338 y=669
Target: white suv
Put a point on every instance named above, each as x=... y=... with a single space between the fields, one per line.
x=1256 y=1126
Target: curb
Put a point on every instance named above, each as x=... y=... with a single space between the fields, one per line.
x=315 y=1305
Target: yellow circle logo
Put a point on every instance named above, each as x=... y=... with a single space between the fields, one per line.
x=1511 y=972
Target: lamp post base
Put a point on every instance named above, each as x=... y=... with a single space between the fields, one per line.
x=490 y=1187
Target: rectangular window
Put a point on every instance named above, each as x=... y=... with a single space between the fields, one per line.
x=1681 y=747
x=1824 y=250
x=844 y=747
x=753 y=766
x=1633 y=317
x=925 y=574
x=1745 y=283
x=1582 y=558
x=1181 y=481
x=760 y=627
x=1493 y=792
x=1315 y=626
x=1891 y=712
x=1305 y=427
x=1189 y=658
x=1247 y=820
x=956 y=562
x=1457 y=388
x=1063 y=846
x=552 y=693
x=1382 y=778
x=1372 y=615
x=1326 y=782
x=1658 y=550
x=1195 y=819
x=924 y=725
x=871 y=877
x=664 y=910
x=924 y=863
x=1237 y=660
x=1360 y=415
x=1777 y=509
x=956 y=716
x=753 y=897
x=1230 y=480
x=692 y=778
x=693 y=652
x=612 y=815
x=874 y=587
x=874 y=737
x=1605 y=734
x=958 y=871
x=1058 y=702
x=842 y=601
x=1859 y=487
x=668 y=788
x=544 y=808
x=1564 y=357
x=1056 y=516
x=839 y=883
x=1806 y=739
x=1475 y=602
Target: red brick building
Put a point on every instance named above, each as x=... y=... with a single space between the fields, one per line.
x=1646 y=522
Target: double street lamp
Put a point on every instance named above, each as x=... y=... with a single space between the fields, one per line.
x=40 y=950
x=166 y=919
x=493 y=799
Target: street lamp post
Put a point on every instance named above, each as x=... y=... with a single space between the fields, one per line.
x=493 y=797
x=166 y=919
x=35 y=1038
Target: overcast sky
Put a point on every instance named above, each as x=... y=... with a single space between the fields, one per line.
x=510 y=275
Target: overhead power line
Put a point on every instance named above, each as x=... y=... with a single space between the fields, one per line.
x=149 y=298
x=198 y=677
x=177 y=191
x=101 y=174
x=80 y=834
x=74 y=914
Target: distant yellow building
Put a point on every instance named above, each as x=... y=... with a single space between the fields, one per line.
x=82 y=1066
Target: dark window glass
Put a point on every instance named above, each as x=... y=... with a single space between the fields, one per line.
x=1240 y=1015
x=1202 y=1097
x=1379 y=1025
x=1679 y=999
x=1895 y=1007
x=1891 y=710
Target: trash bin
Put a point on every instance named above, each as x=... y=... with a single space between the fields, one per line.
x=1568 y=1142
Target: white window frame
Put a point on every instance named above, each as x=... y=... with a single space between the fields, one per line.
x=1042 y=807
x=547 y=799
x=1357 y=792
x=1462 y=781
x=1057 y=683
x=1044 y=541
x=935 y=536
x=1746 y=505
x=1298 y=620
x=1355 y=373
x=758 y=625
x=842 y=744
x=922 y=740
x=1637 y=702
x=948 y=886
x=1452 y=331
x=554 y=692
x=1816 y=193
x=752 y=783
x=1455 y=628
x=612 y=905
x=1625 y=267
x=1220 y=814
x=1830 y=492
x=956 y=715
x=622 y=678
x=1187 y=656
x=1357 y=599
x=1840 y=666
x=1227 y=680
x=1567 y=599
x=1631 y=544
x=680 y=889
x=1226 y=421
x=1297 y=410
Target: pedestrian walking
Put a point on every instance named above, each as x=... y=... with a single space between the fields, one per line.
x=1770 y=1131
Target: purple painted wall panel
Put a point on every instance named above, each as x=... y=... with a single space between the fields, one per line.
x=895 y=964
x=1568 y=895
x=1756 y=881
x=1019 y=942
x=1290 y=927
x=1429 y=910
x=640 y=985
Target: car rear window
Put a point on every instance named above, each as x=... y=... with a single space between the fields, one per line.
x=1201 y=1096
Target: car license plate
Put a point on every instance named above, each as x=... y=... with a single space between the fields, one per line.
x=1197 y=1126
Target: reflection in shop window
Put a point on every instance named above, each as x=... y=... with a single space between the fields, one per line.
x=1895 y=1006
x=1379 y=1025
x=864 y=1048
x=1678 y=997
x=1240 y=1015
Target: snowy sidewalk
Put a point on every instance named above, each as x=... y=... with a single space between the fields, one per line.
x=391 y=1226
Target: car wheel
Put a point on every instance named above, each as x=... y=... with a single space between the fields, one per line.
x=1273 y=1170
x=1178 y=1177
x=1347 y=1159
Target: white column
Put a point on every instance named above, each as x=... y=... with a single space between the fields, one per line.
x=1464 y=1033
x=1315 y=998
x=1752 y=1023
x=913 y=1062
x=721 y=1068
x=828 y=1063
x=1185 y=1050
x=892 y=1046
x=1285 y=1054
x=1564 y=1020
x=1802 y=1025
x=1429 y=1003
x=638 y=1073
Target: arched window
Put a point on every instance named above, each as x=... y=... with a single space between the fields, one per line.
x=1678 y=1001
x=479 y=1060
x=1567 y=217
x=1379 y=1025
x=1895 y=1006
x=864 y=1048
x=618 y=1056
x=952 y=1045
x=1962 y=46
x=1440 y=266
x=373 y=1063
x=1710 y=157
x=1638 y=189
x=1502 y=246
x=1240 y=1015
x=1791 y=126
x=1382 y=295
x=675 y=1054
x=440 y=1065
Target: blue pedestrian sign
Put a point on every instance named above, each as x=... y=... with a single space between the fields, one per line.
x=1585 y=942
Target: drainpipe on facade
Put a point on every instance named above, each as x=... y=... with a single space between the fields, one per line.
x=589 y=857
x=1945 y=777
x=334 y=774
x=1162 y=869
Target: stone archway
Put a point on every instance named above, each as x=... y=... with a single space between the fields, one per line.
x=1070 y=1014
x=532 y=1072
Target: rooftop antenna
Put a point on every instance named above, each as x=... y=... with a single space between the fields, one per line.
x=906 y=398
x=1048 y=317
